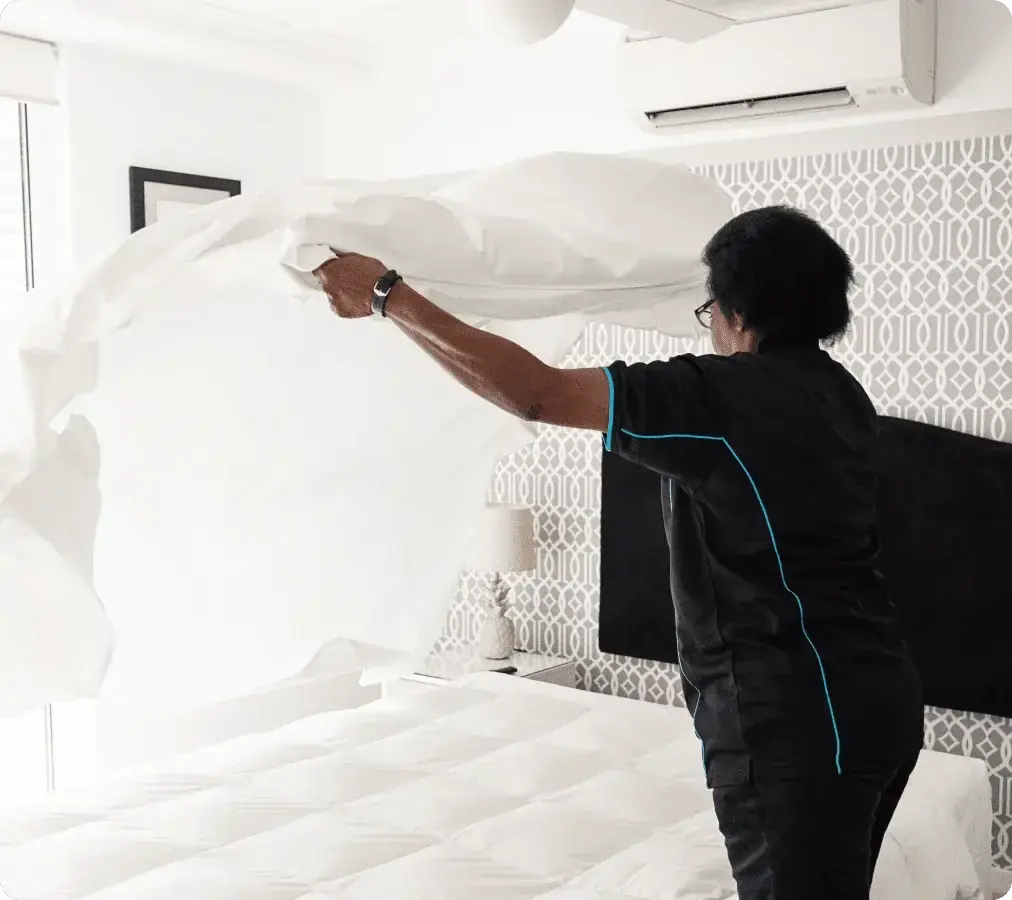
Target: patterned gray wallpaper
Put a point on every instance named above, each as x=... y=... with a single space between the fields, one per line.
x=930 y=228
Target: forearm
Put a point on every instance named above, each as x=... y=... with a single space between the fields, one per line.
x=494 y=368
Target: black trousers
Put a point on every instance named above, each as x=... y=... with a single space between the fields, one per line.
x=809 y=837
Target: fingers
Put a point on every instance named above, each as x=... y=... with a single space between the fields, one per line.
x=348 y=283
x=338 y=258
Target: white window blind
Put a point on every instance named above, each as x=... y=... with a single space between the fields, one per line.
x=13 y=257
x=26 y=770
x=28 y=69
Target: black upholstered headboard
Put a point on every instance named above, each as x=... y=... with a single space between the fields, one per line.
x=945 y=520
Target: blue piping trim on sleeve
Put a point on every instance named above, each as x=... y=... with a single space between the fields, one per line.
x=780 y=566
x=611 y=409
x=664 y=437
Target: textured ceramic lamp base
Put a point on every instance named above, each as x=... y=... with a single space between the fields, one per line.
x=497 y=639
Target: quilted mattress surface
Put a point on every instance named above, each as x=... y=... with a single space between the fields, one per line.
x=494 y=788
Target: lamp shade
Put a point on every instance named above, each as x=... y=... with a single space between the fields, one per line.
x=519 y=21
x=504 y=541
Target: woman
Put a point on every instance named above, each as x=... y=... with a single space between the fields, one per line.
x=800 y=687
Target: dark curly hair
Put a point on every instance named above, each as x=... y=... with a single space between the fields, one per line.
x=783 y=274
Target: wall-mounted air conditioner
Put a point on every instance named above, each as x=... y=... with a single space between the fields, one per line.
x=877 y=55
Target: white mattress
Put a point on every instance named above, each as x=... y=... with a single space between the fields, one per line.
x=494 y=788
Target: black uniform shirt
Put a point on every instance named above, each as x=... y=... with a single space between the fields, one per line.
x=787 y=639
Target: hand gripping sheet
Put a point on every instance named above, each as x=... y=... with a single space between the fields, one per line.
x=273 y=478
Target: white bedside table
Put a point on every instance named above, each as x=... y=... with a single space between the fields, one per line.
x=442 y=668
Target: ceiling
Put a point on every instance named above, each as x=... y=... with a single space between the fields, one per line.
x=752 y=10
x=313 y=33
x=362 y=19
x=367 y=18
x=370 y=21
x=272 y=44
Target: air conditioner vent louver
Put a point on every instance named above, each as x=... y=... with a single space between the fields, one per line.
x=759 y=107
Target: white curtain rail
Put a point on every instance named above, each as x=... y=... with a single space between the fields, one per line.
x=28 y=69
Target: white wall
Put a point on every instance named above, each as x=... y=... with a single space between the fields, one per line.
x=122 y=110
x=452 y=108
x=117 y=111
x=467 y=105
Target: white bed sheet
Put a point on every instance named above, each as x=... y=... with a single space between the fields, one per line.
x=237 y=448
x=496 y=787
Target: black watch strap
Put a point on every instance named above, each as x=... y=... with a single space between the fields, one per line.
x=381 y=292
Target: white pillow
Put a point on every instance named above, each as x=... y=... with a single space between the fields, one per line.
x=611 y=238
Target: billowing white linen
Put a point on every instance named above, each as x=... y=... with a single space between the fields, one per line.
x=500 y=789
x=274 y=478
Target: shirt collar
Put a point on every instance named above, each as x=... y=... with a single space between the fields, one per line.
x=786 y=345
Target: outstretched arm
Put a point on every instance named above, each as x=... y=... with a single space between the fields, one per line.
x=500 y=371
x=496 y=369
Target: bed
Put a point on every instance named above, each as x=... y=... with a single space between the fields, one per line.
x=492 y=787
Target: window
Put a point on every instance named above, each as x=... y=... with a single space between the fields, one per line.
x=26 y=770
x=15 y=200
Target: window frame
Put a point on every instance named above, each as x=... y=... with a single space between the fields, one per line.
x=29 y=258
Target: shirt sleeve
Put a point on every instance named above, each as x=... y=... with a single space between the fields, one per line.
x=662 y=416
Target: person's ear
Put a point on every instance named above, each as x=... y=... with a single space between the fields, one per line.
x=738 y=322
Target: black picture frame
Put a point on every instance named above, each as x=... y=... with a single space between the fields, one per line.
x=141 y=177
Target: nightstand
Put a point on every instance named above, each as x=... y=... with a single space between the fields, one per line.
x=442 y=668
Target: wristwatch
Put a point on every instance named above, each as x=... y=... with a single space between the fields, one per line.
x=381 y=292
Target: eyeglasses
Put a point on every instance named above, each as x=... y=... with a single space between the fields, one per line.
x=704 y=314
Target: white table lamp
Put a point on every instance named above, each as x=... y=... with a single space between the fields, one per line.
x=503 y=544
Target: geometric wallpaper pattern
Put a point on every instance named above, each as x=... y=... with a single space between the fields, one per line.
x=930 y=230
